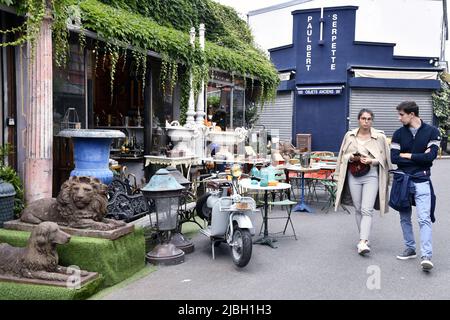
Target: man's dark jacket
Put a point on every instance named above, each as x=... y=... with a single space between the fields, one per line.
x=403 y=141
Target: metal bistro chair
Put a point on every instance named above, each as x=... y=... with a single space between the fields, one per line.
x=287 y=203
x=314 y=179
x=331 y=187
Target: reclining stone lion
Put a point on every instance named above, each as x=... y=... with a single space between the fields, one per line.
x=81 y=204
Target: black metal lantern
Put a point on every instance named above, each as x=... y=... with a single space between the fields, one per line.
x=179 y=177
x=178 y=238
x=165 y=192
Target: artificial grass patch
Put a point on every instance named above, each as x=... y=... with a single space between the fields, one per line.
x=190 y=229
x=115 y=260
x=21 y=291
x=139 y=275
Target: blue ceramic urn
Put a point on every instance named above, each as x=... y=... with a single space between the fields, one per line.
x=91 y=152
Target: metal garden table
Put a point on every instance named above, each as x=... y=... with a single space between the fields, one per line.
x=246 y=184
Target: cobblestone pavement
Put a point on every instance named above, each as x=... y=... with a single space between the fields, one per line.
x=321 y=264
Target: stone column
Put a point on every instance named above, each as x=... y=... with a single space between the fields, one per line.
x=201 y=95
x=190 y=120
x=39 y=118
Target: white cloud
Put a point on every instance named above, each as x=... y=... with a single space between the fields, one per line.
x=243 y=7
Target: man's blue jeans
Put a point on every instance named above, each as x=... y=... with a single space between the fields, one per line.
x=422 y=196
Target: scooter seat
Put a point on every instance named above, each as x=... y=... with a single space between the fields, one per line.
x=218 y=183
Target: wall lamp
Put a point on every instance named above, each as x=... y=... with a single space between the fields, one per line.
x=434 y=62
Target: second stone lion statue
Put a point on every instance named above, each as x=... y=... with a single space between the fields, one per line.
x=81 y=204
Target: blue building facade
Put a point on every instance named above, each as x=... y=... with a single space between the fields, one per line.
x=328 y=89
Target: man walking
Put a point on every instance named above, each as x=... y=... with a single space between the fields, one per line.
x=414 y=147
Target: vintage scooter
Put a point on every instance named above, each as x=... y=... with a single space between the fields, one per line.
x=228 y=217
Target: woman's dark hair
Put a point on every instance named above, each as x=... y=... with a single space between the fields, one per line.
x=364 y=110
x=408 y=107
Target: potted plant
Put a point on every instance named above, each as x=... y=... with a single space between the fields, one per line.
x=9 y=175
x=441 y=109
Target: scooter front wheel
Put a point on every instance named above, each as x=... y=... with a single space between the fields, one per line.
x=241 y=250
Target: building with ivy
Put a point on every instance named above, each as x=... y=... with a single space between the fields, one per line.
x=127 y=65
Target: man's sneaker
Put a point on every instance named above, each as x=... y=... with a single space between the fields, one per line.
x=407 y=254
x=363 y=248
x=426 y=264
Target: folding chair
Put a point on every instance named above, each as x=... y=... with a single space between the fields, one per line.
x=288 y=205
x=331 y=187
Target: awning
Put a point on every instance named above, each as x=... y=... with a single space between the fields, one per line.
x=395 y=74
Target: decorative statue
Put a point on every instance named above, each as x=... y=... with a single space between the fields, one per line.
x=81 y=204
x=39 y=259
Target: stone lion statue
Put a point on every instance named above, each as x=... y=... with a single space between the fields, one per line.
x=81 y=204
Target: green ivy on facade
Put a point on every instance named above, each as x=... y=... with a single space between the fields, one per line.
x=161 y=26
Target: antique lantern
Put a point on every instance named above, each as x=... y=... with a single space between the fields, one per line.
x=165 y=192
x=178 y=238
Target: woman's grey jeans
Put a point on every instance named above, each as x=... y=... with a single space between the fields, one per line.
x=364 y=192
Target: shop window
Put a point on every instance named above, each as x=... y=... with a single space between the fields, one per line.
x=163 y=98
x=121 y=105
x=69 y=91
x=218 y=99
x=69 y=87
x=226 y=104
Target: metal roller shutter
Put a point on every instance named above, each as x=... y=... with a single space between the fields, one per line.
x=383 y=104
x=278 y=115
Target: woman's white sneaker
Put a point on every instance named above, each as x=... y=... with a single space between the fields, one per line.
x=363 y=248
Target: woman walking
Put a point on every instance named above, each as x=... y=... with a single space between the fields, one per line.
x=362 y=174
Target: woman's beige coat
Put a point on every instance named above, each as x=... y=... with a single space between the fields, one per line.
x=379 y=149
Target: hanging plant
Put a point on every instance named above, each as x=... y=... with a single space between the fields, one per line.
x=163 y=74
x=173 y=76
x=35 y=11
x=124 y=56
x=184 y=99
x=441 y=107
x=200 y=70
x=168 y=75
x=113 y=53
x=161 y=26
x=29 y=30
x=174 y=46
x=96 y=53
x=60 y=34
x=143 y=58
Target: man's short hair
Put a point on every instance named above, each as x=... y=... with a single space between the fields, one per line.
x=409 y=107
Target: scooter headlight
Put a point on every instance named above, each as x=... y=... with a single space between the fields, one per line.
x=236 y=170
